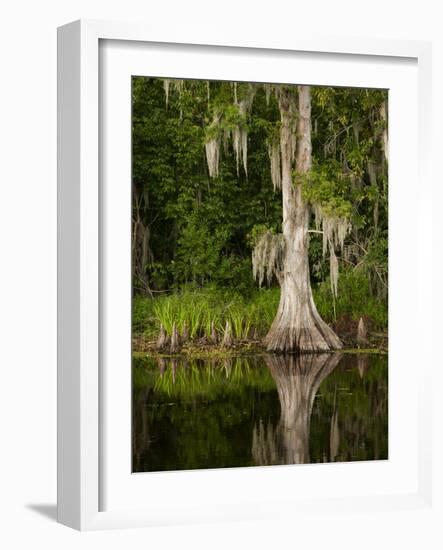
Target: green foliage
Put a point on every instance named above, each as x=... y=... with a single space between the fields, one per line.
x=375 y=265
x=354 y=299
x=328 y=187
x=202 y=230
x=349 y=178
x=257 y=231
x=198 y=226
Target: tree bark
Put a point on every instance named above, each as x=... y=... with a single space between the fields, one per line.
x=297 y=326
x=141 y=251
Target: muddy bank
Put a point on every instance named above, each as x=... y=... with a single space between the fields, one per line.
x=202 y=347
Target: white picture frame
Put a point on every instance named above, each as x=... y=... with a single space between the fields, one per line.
x=81 y=412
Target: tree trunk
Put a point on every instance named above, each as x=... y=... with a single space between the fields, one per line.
x=141 y=251
x=297 y=325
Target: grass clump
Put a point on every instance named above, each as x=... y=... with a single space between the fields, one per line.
x=197 y=311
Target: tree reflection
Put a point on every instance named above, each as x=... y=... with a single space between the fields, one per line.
x=140 y=426
x=298 y=378
x=260 y=409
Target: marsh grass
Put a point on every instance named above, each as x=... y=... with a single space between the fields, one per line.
x=250 y=316
x=201 y=309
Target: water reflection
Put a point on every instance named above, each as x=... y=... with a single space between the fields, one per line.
x=298 y=379
x=258 y=410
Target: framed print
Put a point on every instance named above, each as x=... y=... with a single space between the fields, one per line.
x=238 y=228
x=228 y=371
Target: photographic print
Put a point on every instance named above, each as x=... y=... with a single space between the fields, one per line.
x=259 y=274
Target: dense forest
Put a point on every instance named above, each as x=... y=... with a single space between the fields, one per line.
x=260 y=214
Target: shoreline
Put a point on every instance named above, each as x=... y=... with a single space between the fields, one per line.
x=202 y=350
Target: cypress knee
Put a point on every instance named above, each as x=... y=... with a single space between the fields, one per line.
x=362 y=333
x=227 y=337
x=213 y=337
x=174 y=339
x=161 y=340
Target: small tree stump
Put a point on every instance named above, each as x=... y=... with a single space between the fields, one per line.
x=162 y=338
x=362 y=333
x=174 y=339
x=185 y=332
x=213 y=337
x=227 y=337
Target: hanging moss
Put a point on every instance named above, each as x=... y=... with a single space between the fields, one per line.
x=274 y=157
x=267 y=256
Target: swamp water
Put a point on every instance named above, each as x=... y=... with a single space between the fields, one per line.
x=258 y=410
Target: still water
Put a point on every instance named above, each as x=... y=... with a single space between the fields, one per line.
x=259 y=410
